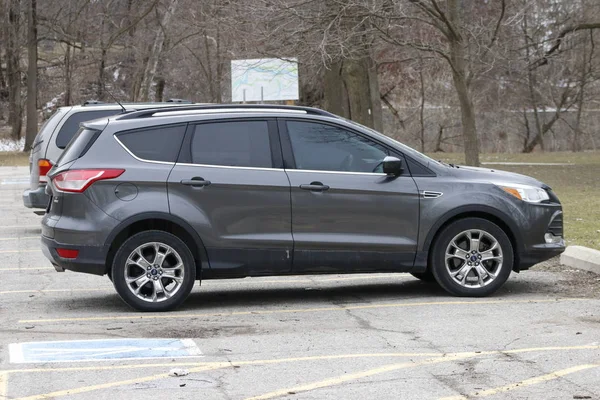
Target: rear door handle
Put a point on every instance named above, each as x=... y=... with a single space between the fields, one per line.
x=195 y=182
x=315 y=187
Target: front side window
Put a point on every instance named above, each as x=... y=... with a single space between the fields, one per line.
x=323 y=147
x=161 y=143
x=71 y=125
x=234 y=144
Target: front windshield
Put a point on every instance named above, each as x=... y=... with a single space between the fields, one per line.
x=405 y=149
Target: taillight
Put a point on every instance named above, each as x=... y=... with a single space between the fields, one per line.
x=43 y=167
x=67 y=253
x=77 y=181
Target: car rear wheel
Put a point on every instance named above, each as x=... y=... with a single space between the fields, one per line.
x=154 y=271
x=472 y=257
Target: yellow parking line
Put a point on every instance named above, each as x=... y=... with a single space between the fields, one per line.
x=20 y=238
x=526 y=382
x=440 y=357
x=3 y=385
x=19 y=251
x=54 y=290
x=91 y=388
x=351 y=377
x=26 y=268
x=240 y=363
x=289 y=311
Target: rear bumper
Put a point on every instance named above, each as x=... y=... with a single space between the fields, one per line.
x=91 y=259
x=36 y=198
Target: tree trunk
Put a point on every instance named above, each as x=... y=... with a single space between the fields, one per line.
x=467 y=110
x=32 y=117
x=160 y=89
x=461 y=85
x=335 y=97
x=68 y=69
x=151 y=65
x=355 y=75
x=13 y=70
x=377 y=112
x=586 y=67
x=422 y=108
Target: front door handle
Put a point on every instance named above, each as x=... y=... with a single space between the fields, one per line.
x=196 y=181
x=315 y=187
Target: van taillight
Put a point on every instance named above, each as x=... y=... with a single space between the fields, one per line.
x=43 y=167
x=78 y=180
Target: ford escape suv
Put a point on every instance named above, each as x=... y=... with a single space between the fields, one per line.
x=158 y=199
x=56 y=133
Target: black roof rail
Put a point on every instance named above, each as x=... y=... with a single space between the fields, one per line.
x=151 y=111
x=178 y=101
x=92 y=102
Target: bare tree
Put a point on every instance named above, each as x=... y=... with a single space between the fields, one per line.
x=32 y=58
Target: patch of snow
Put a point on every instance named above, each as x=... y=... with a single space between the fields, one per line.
x=12 y=145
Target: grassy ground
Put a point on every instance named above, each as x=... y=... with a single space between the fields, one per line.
x=577 y=185
x=11 y=158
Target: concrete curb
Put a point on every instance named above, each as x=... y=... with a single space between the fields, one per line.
x=581 y=258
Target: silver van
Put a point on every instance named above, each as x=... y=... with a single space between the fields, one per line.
x=58 y=131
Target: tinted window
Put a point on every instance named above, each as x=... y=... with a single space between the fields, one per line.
x=80 y=143
x=156 y=144
x=238 y=144
x=71 y=125
x=328 y=148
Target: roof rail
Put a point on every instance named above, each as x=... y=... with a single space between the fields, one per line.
x=178 y=101
x=92 y=102
x=235 y=108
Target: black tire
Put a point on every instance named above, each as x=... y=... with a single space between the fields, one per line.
x=167 y=303
x=426 y=276
x=442 y=273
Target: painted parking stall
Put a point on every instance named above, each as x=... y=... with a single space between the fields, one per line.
x=102 y=350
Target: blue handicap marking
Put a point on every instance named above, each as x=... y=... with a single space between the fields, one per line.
x=99 y=350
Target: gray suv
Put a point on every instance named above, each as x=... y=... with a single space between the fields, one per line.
x=158 y=199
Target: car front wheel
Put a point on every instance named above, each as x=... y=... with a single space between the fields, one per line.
x=472 y=257
x=153 y=271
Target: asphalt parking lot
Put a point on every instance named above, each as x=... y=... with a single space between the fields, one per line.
x=306 y=337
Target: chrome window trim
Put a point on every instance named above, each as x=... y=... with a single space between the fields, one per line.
x=279 y=169
x=138 y=158
x=229 y=167
x=336 y=172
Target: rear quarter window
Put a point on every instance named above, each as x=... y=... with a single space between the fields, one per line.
x=70 y=127
x=77 y=147
x=160 y=143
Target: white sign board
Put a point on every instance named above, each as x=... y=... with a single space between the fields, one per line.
x=265 y=79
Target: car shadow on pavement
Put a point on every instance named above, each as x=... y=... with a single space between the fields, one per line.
x=224 y=298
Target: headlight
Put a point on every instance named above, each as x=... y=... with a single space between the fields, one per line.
x=530 y=194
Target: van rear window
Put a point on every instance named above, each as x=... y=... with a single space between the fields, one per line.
x=80 y=144
x=71 y=125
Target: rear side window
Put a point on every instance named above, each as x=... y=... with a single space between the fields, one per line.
x=71 y=125
x=82 y=141
x=235 y=144
x=154 y=144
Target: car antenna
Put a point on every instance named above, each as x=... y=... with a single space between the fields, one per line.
x=115 y=99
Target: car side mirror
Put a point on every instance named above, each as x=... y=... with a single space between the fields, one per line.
x=392 y=166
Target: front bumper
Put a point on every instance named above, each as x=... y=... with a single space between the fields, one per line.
x=36 y=198
x=91 y=259
x=539 y=253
